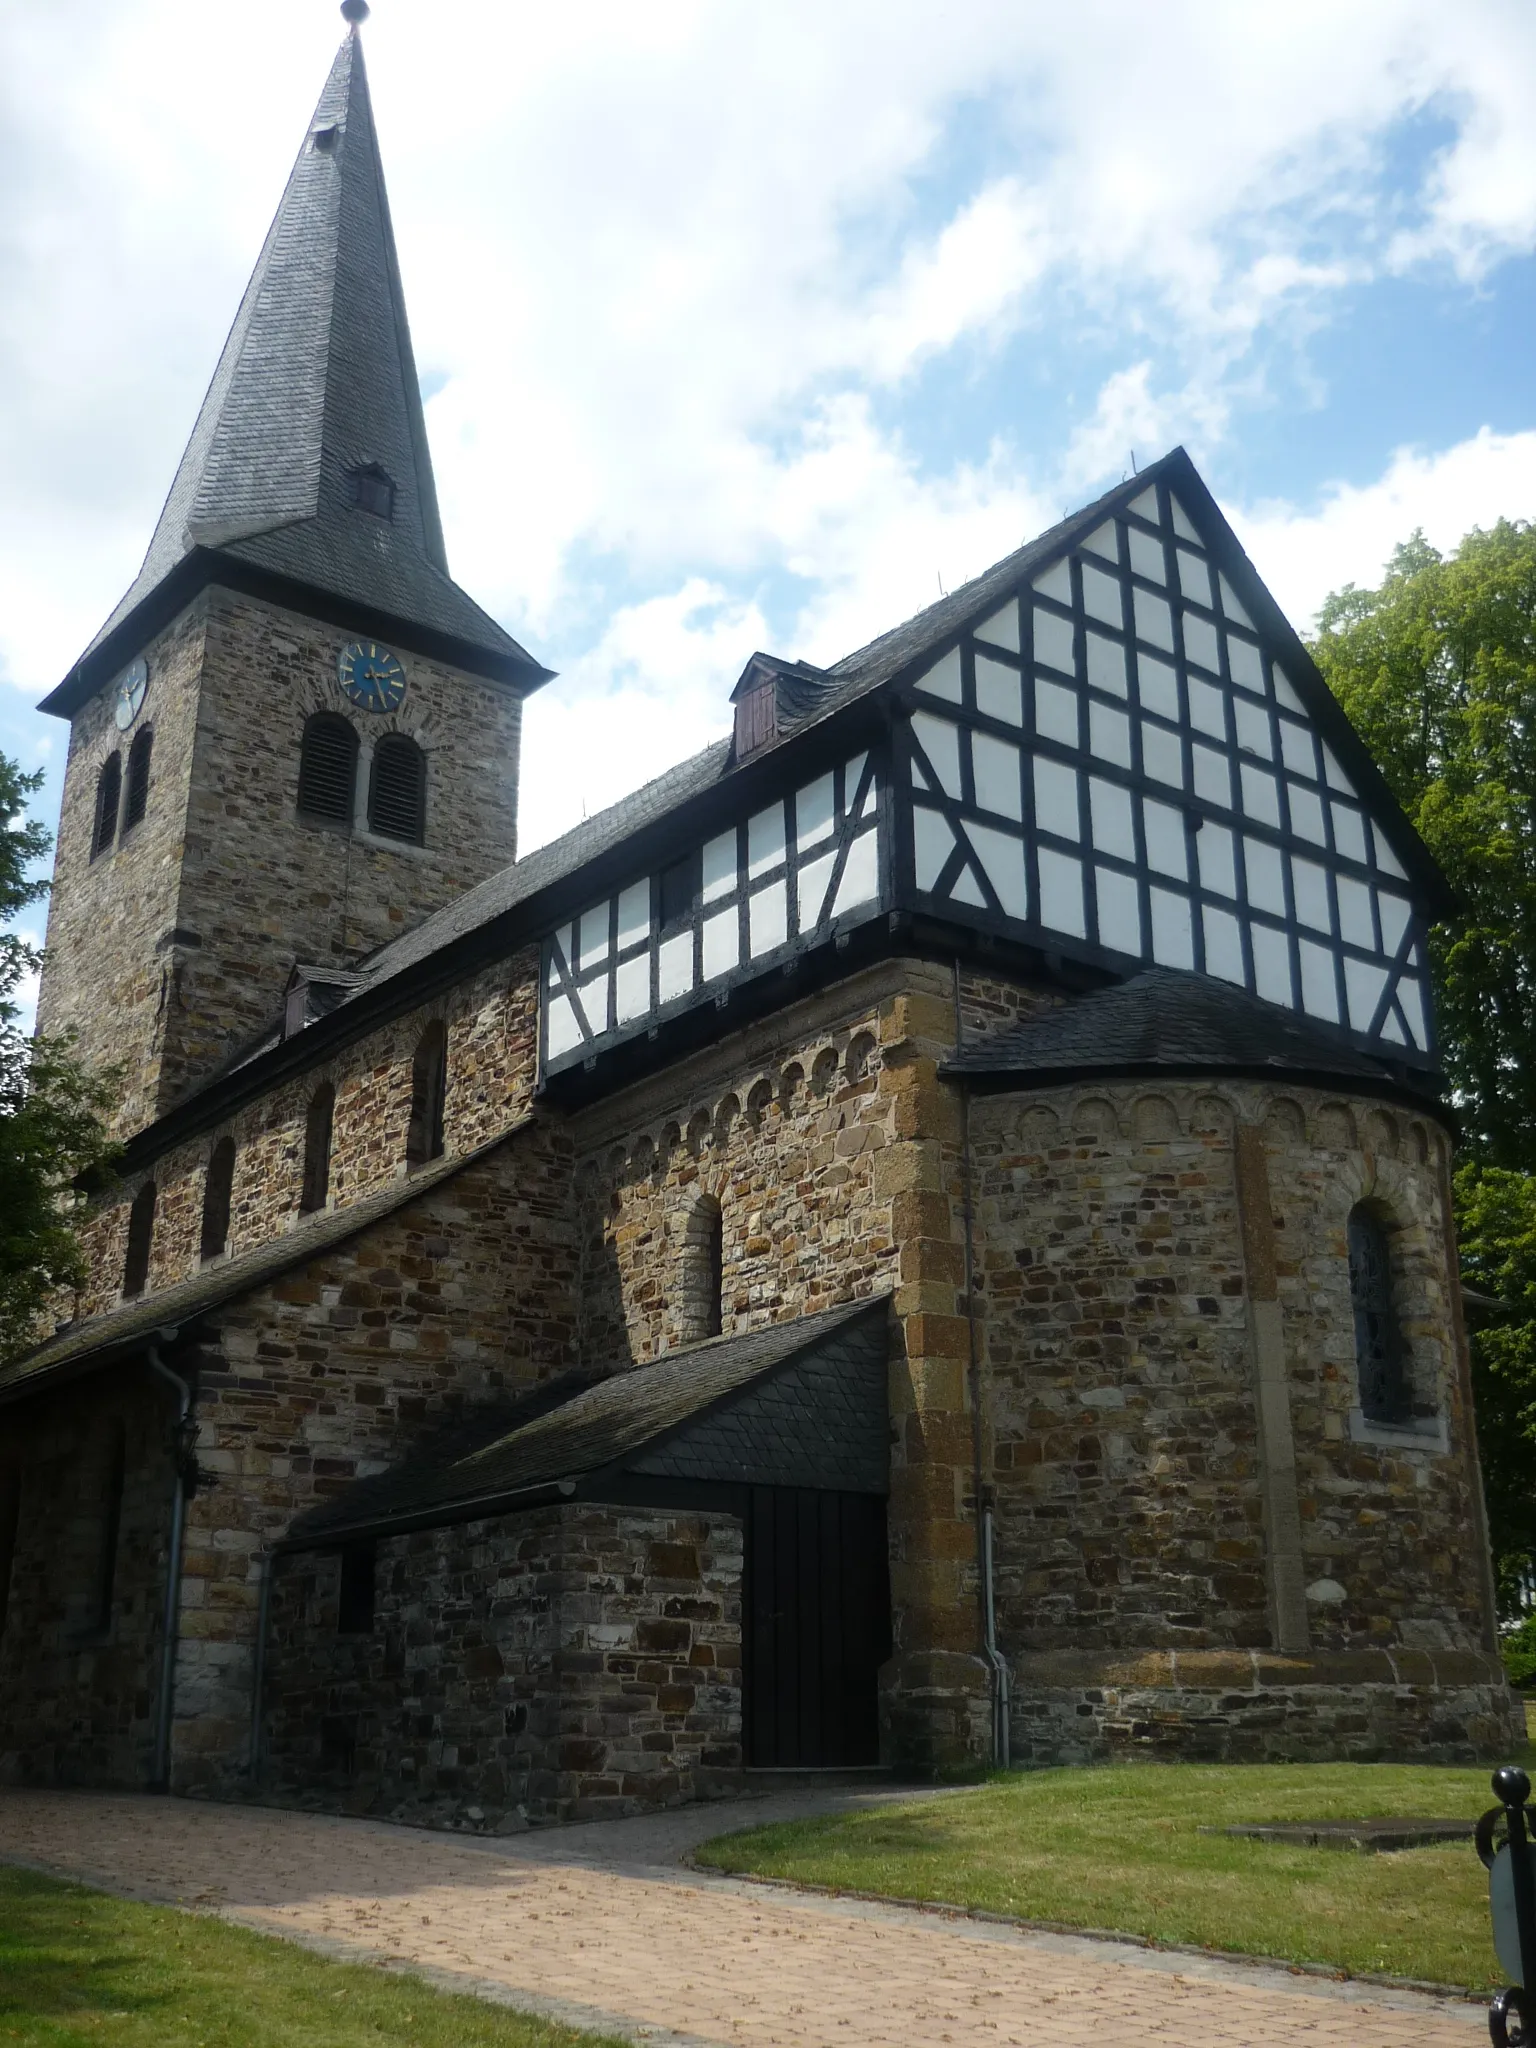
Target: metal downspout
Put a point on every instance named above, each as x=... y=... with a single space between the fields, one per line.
x=997 y=1663
x=165 y=1704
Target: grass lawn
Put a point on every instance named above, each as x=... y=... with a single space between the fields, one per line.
x=1119 y=1847
x=79 y=1967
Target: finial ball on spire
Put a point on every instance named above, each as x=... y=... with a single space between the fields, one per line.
x=355 y=11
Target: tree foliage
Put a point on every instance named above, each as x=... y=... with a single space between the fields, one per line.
x=51 y=1110
x=1437 y=672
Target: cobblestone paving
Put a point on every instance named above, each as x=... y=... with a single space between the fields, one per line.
x=581 y=1924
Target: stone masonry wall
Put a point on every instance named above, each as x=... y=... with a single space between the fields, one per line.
x=334 y=1372
x=1125 y=1445
x=264 y=887
x=108 y=970
x=79 y=1675
x=223 y=859
x=492 y=1025
x=832 y=1151
x=570 y=1663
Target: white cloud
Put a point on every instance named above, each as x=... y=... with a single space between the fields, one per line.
x=1130 y=421
x=642 y=248
x=1349 y=538
x=699 y=289
x=653 y=690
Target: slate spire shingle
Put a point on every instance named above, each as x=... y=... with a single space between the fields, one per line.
x=316 y=382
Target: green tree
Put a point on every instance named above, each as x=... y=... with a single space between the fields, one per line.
x=1437 y=671
x=51 y=1110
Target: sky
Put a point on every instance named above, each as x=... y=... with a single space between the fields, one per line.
x=747 y=329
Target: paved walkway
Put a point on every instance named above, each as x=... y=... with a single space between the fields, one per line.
x=600 y=1926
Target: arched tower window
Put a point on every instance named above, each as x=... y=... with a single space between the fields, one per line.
x=141 y=1235
x=1381 y=1357
x=397 y=792
x=138 y=778
x=429 y=1089
x=317 y=1148
x=701 y=1281
x=328 y=769
x=109 y=793
x=218 y=1189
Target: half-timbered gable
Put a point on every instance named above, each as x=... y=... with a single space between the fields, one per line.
x=1131 y=760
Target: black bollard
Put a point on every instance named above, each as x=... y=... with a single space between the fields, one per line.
x=1515 y=2004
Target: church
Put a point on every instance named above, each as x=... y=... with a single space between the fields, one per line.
x=920 y=1238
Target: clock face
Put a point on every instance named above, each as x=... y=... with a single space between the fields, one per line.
x=129 y=694
x=371 y=676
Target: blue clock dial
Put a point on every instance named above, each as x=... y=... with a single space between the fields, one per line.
x=371 y=676
x=129 y=695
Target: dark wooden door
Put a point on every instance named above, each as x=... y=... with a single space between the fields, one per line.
x=816 y=1627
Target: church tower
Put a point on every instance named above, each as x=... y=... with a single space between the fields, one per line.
x=295 y=736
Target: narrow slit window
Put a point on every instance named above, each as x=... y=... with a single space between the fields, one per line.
x=141 y=1237
x=218 y=1194
x=397 y=791
x=10 y=1522
x=110 y=1530
x=317 y=1148
x=429 y=1089
x=359 y=1573
x=328 y=769
x=138 y=779
x=109 y=796
x=703 y=1272
x=1381 y=1358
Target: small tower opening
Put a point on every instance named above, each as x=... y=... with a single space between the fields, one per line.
x=372 y=490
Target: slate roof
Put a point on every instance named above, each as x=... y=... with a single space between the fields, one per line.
x=821 y=1421
x=510 y=886
x=856 y=676
x=605 y=1424
x=489 y=914
x=123 y=1330
x=316 y=379
x=1165 y=1021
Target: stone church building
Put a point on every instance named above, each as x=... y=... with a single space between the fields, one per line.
x=922 y=1236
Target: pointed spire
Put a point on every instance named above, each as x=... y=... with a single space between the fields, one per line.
x=309 y=459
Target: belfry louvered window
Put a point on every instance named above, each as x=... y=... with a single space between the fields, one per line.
x=328 y=769
x=1380 y=1355
x=397 y=792
x=109 y=795
x=138 y=779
